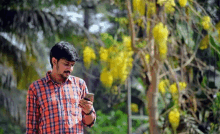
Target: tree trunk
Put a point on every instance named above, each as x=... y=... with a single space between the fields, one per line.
x=86 y=18
x=153 y=98
x=128 y=86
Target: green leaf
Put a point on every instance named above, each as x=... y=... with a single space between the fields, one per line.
x=213 y=42
x=184 y=31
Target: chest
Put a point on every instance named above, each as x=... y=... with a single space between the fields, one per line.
x=59 y=96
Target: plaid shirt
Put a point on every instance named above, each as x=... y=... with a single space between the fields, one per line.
x=52 y=108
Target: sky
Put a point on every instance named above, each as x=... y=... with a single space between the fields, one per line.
x=99 y=26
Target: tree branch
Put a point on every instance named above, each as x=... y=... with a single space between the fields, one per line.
x=131 y=23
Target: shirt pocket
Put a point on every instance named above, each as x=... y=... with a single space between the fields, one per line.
x=75 y=111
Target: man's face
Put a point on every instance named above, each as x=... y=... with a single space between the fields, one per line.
x=64 y=67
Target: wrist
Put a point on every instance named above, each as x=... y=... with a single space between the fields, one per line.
x=89 y=112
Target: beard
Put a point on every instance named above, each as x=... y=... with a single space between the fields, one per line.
x=63 y=75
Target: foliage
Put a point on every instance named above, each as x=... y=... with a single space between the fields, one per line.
x=115 y=59
x=216 y=113
x=113 y=123
x=7 y=125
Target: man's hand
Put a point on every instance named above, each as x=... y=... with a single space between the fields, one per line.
x=85 y=105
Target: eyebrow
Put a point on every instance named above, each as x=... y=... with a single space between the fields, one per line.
x=67 y=62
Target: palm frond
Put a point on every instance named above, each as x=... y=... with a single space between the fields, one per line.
x=23 y=21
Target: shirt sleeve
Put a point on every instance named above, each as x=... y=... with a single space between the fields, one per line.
x=84 y=92
x=32 y=112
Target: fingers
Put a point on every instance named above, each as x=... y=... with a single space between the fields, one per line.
x=81 y=106
x=85 y=102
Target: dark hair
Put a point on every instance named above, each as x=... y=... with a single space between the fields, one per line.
x=63 y=50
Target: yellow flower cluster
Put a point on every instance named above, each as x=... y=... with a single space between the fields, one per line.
x=162 y=85
x=118 y=61
x=169 y=5
x=147 y=58
x=88 y=56
x=151 y=9
x=174 y=118
x=134 y=107
x=182 y=3
x=139 y=6
x=106 y=78
x=120 y=64
x=103 y=54
x=206 y=22
x=127 y=43
x=160 y=33
x=204 y=43
x=173 y=88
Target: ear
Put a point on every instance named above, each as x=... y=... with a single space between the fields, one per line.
x=54 y=61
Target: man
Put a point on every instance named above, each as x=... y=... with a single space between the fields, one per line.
x=55 y=103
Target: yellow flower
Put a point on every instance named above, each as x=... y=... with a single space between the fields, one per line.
x=130 y=62
x=173 y=87
x=134 y=107
x=162 y=85
x=112 y=51
x=88 y=56
x=139 y=6
x=182 y=3
x=163 y=52
x=160 y=33
x=106 y=78
x=182 y=85
x=204 y=43
x=140 y=22
x=161 y=2
x=206 y=22
x=174 y=118
x=169 y=5
x=103 y=54
x=123 y=76
x=113 y=68
x=127 y=42
x=151 y=8
x=147 y=58
x=163 y=49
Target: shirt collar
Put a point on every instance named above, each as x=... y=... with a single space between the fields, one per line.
x=48 y=77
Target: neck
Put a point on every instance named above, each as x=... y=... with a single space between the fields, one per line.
x=56 y=77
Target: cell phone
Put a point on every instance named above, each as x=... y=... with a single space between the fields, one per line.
x=89 y=97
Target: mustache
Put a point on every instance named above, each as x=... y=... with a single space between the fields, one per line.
x=66 y=71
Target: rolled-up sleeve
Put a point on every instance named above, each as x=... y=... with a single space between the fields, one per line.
x=32 y=112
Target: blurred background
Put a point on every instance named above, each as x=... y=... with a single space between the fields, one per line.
x=153 y=65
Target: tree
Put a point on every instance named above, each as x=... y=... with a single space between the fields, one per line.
x=176 y=35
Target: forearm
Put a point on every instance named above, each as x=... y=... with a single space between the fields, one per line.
x=89 y=119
